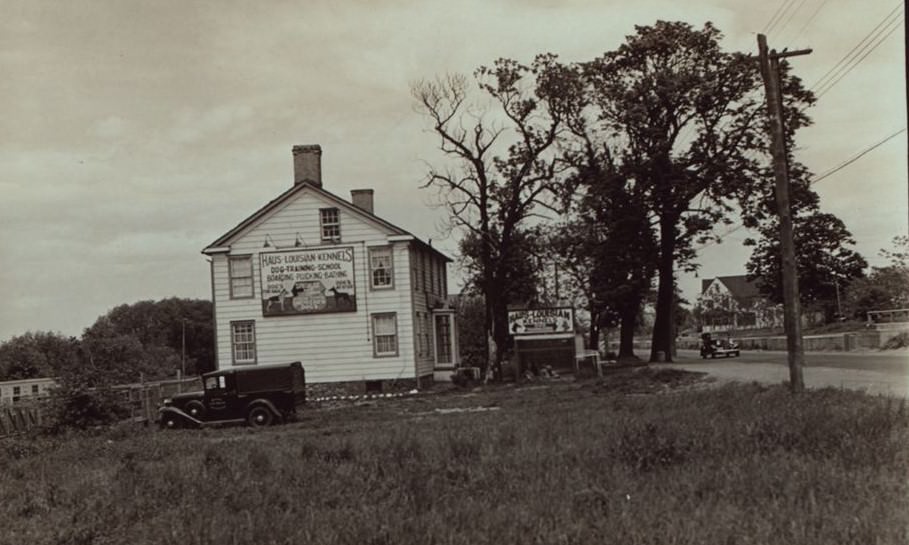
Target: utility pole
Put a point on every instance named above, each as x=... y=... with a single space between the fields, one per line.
x=770 y=73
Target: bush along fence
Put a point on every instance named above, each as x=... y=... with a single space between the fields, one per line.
x=139 y=403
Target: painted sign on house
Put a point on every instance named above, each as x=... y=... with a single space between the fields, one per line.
x=308 y=281
x=541 y=320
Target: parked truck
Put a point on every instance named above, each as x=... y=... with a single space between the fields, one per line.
x=258 y=395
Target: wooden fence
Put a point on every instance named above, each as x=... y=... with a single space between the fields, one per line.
x=141 y=398
x=16 y=419
x=144 y=398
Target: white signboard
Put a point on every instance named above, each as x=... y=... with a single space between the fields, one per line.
x=538 y=321
x=308 y=281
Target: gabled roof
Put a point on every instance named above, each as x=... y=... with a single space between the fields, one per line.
x=281 y=199
x=739 y=286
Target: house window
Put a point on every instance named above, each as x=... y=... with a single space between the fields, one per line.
x=241 y=276
x=17 y=393
x=330 y=220
x=243 y=342
x=443 y=338
x=385 y=334
x=381 y=266
x=34 y=389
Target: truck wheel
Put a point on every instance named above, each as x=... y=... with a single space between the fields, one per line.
x=259 y=417
x=195 y=409
x=169 y=422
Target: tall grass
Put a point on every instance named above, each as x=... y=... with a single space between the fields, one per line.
x=570 y=463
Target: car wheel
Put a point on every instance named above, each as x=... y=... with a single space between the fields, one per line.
x=259 y=417
x=195 y=409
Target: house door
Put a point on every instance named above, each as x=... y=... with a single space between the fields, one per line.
x=445 y=335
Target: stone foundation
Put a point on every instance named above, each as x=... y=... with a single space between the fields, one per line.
x=317 y=391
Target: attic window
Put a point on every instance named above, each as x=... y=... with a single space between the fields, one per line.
x=330 y=220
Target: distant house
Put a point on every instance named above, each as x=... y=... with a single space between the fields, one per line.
x=729 y=303
x=315 y=278
x=16 y=391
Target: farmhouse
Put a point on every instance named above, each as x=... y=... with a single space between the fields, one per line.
x=735 y=303
x=15 y=391
x=312 y=277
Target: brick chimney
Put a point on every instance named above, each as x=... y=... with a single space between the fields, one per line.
x=308 y=164
x=362 y=199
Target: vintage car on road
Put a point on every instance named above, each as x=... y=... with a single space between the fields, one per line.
x=712 y=348
x=259 y=395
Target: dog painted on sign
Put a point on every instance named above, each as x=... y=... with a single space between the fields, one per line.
x=279 y=300
x=342 y=298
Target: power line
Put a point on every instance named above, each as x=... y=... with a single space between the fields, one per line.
x=778 y=16
x=791 y=15
x=863 y=44
x=810 y=19
x=855 y=158
x=821 y=93
x=814 y=180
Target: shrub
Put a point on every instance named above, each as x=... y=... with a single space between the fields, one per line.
x=78 y=407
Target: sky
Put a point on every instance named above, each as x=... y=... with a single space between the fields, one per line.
x=133 y=134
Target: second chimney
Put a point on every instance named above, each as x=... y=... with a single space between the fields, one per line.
x=308 y=164
x=362 y=199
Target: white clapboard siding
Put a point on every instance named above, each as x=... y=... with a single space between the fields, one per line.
x=425 y=362
x=333 y=347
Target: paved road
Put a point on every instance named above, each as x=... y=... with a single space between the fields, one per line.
x=892 y=362
x=875 y=373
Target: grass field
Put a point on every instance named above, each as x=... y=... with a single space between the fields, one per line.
x=642 y=457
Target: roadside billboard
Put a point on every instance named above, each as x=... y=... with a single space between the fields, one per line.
x=540 y=321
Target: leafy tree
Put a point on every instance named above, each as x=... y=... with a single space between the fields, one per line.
x=607 y=245
x=885 y=288
x=824 y=262
x=37 y=354
x=494 y=188
x=686 y=115
x=147 y=338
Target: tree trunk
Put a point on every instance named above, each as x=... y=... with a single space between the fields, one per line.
x=490 y=342
x=662 y=326
x=593 y=342
x=628 y=319
x=500 y=334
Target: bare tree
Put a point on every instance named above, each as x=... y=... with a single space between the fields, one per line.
x=501 y=170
